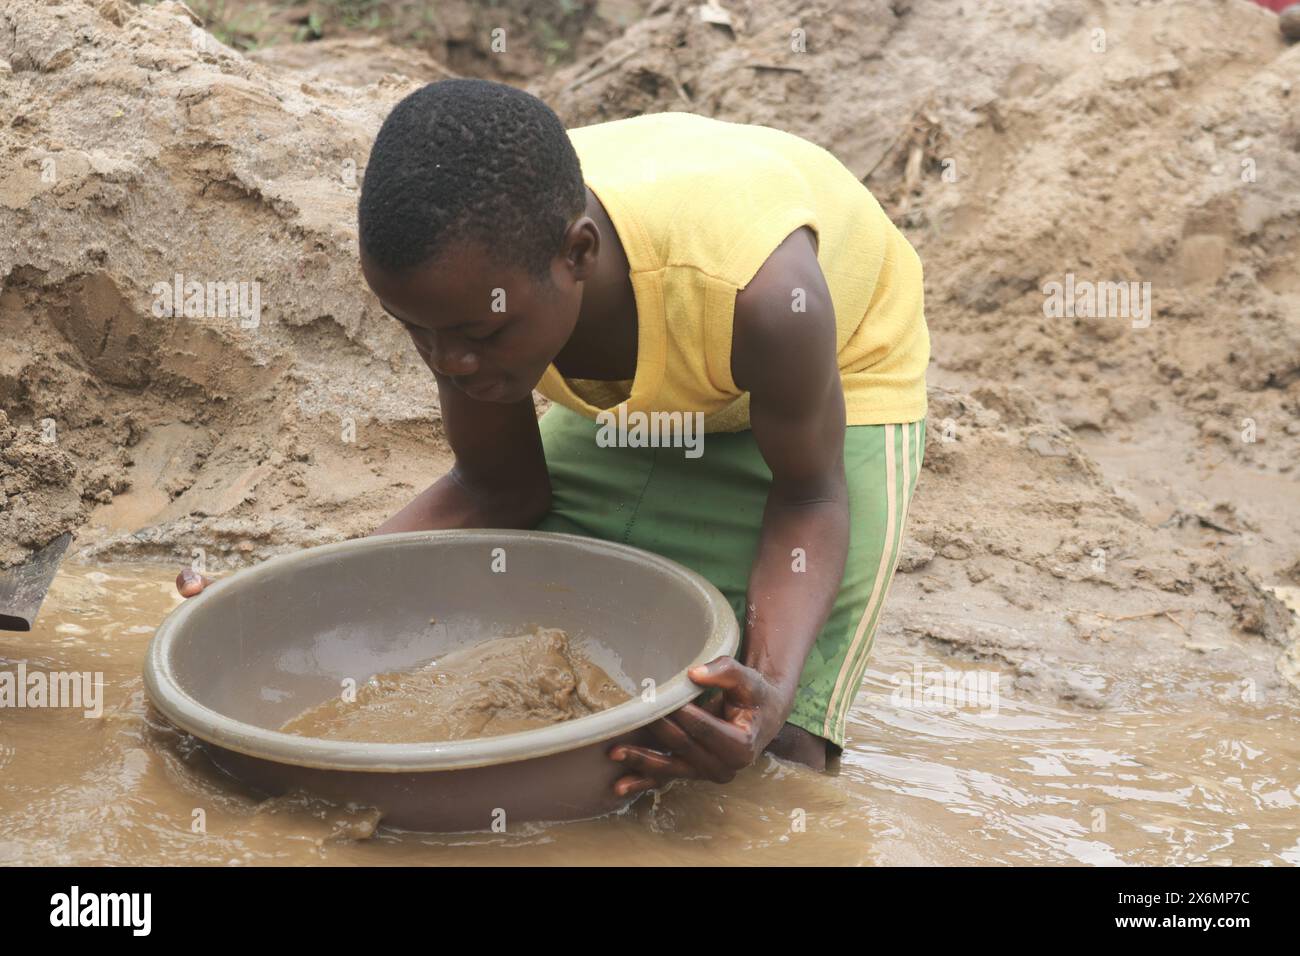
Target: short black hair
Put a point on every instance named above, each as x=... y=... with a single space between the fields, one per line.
x=469 y=159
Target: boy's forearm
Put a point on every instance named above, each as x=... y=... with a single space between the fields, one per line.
x=451 y=502
x=792 y=588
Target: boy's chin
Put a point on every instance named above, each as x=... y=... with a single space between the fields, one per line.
x=501 y=393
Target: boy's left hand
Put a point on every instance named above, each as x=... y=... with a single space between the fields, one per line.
x=714 y=741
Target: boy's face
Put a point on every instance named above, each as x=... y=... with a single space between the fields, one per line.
x=491 y=329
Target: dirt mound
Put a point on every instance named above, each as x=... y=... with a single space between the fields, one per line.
x=142 y=159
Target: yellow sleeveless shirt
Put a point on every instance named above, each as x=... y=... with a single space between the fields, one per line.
x=699 y=204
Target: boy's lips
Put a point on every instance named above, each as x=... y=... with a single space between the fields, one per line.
x=483 y=391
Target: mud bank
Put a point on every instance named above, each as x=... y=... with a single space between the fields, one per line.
x=1104 y=493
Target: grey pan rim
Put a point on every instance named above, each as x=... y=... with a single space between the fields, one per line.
x=187 y=713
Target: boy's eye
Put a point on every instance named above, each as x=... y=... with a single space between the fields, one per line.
x=488 y=337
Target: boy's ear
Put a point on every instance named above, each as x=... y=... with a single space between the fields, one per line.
x=582 y=247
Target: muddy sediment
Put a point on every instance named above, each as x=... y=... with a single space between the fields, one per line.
x=503 y=686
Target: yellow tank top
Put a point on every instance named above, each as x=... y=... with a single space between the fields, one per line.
x=699 y=204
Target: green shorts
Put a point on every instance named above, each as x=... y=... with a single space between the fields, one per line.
x=706 y=513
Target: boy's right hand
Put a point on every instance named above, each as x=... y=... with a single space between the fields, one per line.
x=189 y=582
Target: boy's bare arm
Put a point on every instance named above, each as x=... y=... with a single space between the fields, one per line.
x=787 y=362
x=786 y=359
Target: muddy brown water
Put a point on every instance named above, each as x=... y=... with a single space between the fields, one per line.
x=962 y=777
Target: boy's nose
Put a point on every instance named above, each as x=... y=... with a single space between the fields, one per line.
x=452 y=359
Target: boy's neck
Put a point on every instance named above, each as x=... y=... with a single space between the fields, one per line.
x=603 y=345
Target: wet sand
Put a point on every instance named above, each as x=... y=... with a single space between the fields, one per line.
x=1180 y=770
x=504 y=686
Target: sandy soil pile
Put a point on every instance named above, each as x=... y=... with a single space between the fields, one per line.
x=136 y=148
x=1112 y=492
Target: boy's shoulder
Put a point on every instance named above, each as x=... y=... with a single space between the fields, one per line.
x=685 y=190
